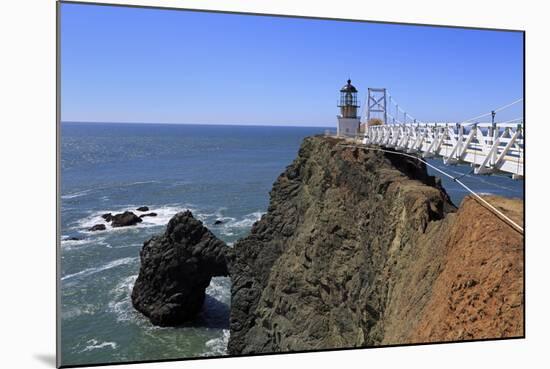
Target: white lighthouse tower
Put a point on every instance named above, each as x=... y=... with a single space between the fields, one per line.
x=348 y=122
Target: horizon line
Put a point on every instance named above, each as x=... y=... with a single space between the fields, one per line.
x=199 y=124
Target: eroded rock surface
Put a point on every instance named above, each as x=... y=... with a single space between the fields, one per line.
x=176 y=267
x=354 y=251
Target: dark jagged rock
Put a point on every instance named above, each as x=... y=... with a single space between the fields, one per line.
x=125 y=219
x=176 y=268
x=143 y=208
x=218 y=222
x=107 y=216
x=148 y=215
x=97 y=227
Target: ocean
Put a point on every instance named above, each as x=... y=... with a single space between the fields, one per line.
x=218 y=172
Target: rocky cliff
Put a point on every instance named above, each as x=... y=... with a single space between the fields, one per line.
x=363 y=248
x=357 y=248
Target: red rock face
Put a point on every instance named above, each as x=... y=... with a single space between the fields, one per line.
x=479 y=292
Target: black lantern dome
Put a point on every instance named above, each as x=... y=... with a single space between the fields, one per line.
x=348 y=87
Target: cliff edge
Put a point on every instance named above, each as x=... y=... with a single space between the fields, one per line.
x=364 y=248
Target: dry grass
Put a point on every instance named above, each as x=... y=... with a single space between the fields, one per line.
x=375 y=122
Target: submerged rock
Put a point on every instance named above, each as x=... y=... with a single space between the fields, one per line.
x=143 y=208
x=148 y=215
x=125 y=219
x=97 y=227
x=176 y=267
x=218 y=222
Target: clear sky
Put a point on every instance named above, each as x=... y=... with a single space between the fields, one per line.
x=121 y=64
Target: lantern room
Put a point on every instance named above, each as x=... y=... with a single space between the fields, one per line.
x=348 y=101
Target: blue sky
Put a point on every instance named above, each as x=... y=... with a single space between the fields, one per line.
x=121 y=64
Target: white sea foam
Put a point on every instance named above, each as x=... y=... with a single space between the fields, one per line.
x=94 y=344
x=140 y=183
x=217 y=215
x=121 y=303
x=219 y=288
x=77 y=311
x=89 y=271
x=217 y=346
x=74 y=194
x=249 y=220
x=68 y=244
x=164 y=214
x=233 y=226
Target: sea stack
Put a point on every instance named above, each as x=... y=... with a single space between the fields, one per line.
x=176 y=267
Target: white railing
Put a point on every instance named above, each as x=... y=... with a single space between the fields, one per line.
x=488 y=147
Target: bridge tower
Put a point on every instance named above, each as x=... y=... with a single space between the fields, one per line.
x=376 y=105
x=348 y=122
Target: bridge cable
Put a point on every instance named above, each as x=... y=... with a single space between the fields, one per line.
x=394 y=102
x=455 y=179
x=496 y=111
x=513 y=120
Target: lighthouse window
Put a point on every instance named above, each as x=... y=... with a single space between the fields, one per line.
x=349 y=98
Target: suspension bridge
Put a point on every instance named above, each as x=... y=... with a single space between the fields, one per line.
x=488 y=146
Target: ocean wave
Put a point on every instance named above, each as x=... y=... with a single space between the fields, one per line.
x=68 y=244
x=94 y=344
x=89 y=271
x=249 y=220
x=220 y=289
x=140 y=183
x=233 y=226
x=121 y=303
x=217 y=346
x=216 y=214
x=74 y=312
x=164 y=214
x=75 y=194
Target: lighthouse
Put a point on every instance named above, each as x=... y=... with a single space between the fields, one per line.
x=348 y=122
